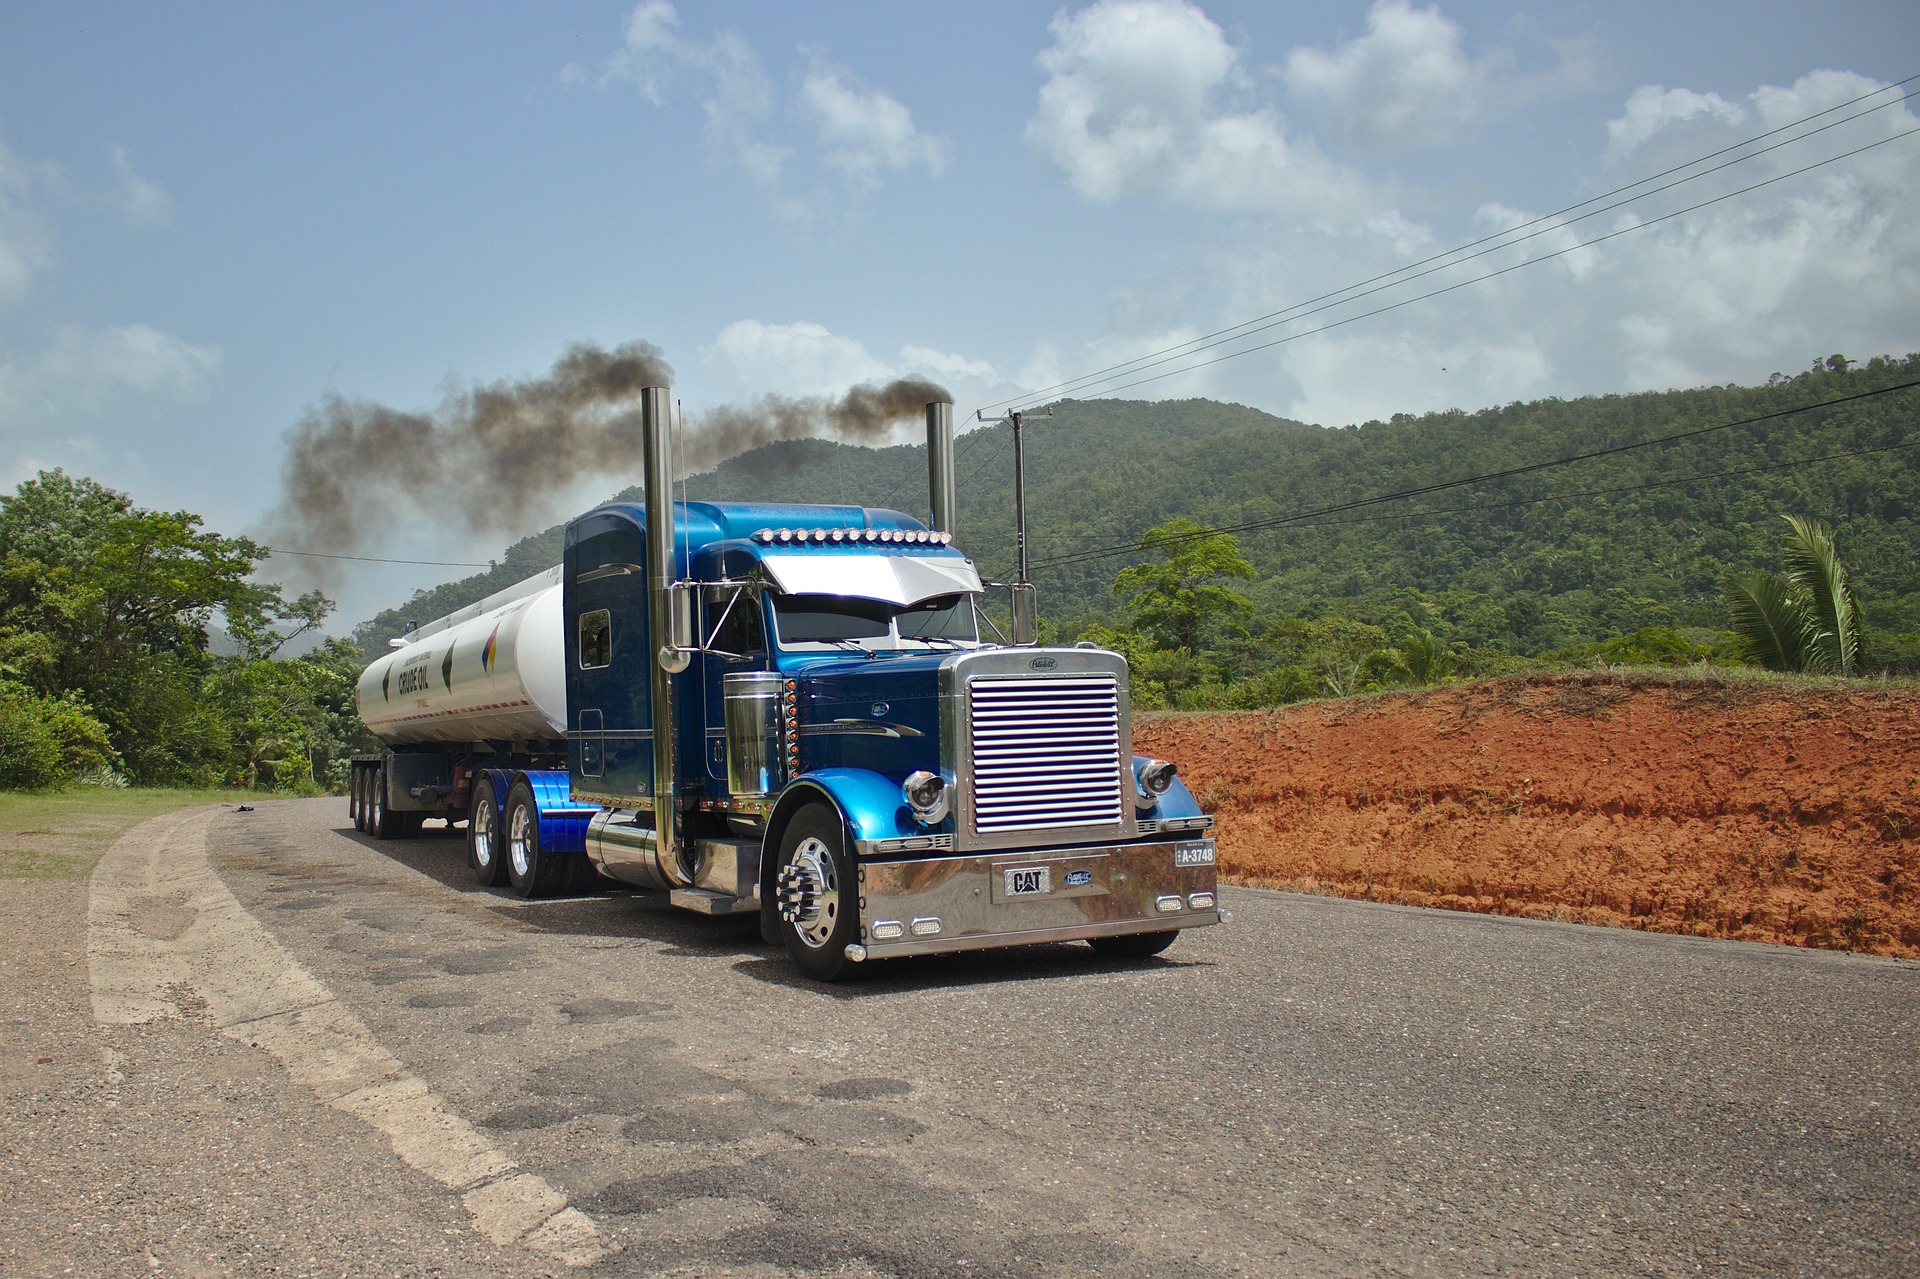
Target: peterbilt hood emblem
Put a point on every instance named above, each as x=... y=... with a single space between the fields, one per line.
x=1044 y=663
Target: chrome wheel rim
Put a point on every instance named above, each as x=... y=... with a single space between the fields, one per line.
x=809 y=893
x=518 y=852
x=483 y=835
x=379 y=805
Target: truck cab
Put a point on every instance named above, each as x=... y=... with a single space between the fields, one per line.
x=848 y=757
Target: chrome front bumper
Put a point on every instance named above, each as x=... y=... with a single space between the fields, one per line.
x=963 y=903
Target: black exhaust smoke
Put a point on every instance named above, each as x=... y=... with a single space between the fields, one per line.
x=491 y=459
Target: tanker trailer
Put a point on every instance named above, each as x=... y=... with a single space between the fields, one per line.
x=788 y=711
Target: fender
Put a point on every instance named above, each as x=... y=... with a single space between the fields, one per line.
x=563 y=823
x=501 y=779
x=870 y=807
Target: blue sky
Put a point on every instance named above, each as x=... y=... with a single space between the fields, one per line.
x=213 y=215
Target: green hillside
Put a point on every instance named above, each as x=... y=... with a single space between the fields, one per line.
x=1525 y=566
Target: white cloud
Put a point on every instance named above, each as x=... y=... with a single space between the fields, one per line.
x=85 y=372
x=1406 y=82
x=739 y=99
x=1048 y=373
x=651 y=49
x=1821 y=262
x=147 y=203
x=24 y=243
x=793 y=359
x=1146 y=97
x=1653 y=111
x=865 y=134
x=751 y=358
x=860 y=134
x=943 y=364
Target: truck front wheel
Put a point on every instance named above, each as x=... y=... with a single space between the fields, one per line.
x=483 y=837
x=817 y=893
x=532 y=872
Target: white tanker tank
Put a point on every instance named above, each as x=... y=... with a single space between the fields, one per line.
x=493 y=671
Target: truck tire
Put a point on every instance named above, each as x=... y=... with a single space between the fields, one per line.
x=483 y=837
x=1133 y=945
x=382 y=822
x=353 y=796
x=531 y=871
x=816 y=893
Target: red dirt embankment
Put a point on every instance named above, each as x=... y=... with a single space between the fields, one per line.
x=1715 y=807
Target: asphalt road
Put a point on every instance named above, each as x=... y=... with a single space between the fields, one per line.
x=1318 y=1087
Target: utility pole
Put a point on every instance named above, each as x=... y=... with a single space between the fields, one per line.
x=1025 y=613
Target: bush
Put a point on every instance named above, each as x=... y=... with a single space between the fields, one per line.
x=49 y=741
x=1648 y=646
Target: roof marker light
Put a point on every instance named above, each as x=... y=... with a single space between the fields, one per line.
x=764 y=535
x=785 y=535
x=838 y=535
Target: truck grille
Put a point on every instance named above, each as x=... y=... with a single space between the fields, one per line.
x=1046 y=752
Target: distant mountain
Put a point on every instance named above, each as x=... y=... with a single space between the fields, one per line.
x=1525 y=564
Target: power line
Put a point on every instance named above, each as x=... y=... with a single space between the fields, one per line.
x=1505 y=270
x=1402 y=495
x=1246 y=327
x=1408 y=275
x=1607 y=492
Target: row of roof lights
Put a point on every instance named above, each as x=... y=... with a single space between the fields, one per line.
x=918 y=536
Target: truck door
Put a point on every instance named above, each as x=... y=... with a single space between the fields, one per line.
x=732 y=623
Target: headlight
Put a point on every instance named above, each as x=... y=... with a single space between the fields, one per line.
x=926 y=795
x=1152 y=781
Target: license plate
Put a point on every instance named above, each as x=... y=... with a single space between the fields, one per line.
x=1028 y=881
x=1198 y=852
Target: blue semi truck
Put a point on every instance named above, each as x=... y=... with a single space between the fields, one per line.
x=788 y=710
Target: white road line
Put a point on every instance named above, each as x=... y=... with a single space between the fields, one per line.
x=161 y=923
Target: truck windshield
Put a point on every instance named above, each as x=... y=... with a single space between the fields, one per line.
x=806 y=621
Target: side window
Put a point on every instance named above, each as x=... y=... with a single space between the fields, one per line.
x=596 y=640
x=741 y=632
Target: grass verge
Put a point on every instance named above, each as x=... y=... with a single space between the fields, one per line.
x=61 y=834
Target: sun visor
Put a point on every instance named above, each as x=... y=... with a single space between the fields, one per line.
x=896 y=579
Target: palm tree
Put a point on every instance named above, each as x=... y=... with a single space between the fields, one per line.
x=1806 y=619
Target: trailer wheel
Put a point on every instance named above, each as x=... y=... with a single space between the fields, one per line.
x=381 y=820
x=483 y=837
x=1133 y=945
x=532 y=872
x=353 y=796
x=817 y=893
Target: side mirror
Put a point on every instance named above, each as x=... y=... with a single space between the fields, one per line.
x=676 y=653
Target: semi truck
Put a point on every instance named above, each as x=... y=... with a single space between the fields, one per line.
x=790 y=711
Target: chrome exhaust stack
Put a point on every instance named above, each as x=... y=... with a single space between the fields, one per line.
x=940 y=480
x=668 y=616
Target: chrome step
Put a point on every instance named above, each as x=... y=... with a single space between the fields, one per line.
x=704 y=901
